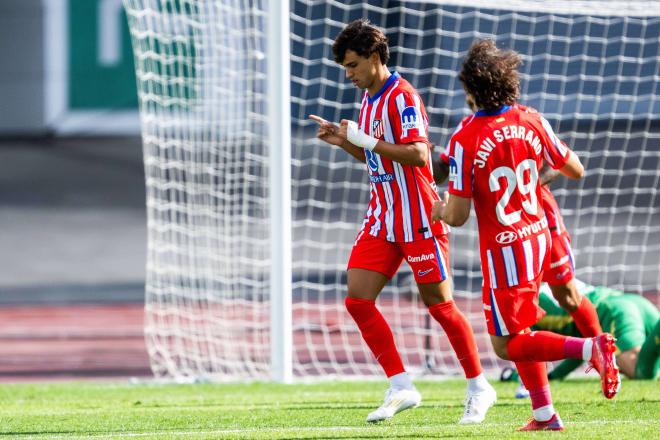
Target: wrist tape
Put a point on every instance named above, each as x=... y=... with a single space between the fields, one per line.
x=360 y=139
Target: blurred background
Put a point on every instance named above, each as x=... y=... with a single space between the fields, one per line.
x=72 y=197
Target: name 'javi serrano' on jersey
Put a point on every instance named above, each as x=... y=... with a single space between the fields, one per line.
x=494 y=158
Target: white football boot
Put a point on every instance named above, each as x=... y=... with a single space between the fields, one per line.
x=477 y=405
x=395 y=402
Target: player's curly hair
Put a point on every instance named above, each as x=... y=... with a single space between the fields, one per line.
x=490 y=75
x=363 y=38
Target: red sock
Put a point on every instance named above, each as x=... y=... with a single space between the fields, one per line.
x=460 y=336
x=586 y=319
x=541 y=346
x=535 y=378
x=376 y=333
x=532 y=374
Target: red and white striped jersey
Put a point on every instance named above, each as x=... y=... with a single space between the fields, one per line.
x=401 y=195
x=494 y=158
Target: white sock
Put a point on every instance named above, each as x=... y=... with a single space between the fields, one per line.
x=478 y=384
x=544 y=413
x=587 y=348
x=401 y=381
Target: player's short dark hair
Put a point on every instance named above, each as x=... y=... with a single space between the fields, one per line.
x=490 y=75
x=363 y=38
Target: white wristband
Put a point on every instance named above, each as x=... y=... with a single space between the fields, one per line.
x=360 y=139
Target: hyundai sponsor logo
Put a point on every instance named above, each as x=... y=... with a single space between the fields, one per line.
x=506 y=237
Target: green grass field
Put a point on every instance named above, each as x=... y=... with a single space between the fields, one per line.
x=326 y=410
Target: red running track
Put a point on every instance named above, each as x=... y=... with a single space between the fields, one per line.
x=72 y=342
x=67 y=342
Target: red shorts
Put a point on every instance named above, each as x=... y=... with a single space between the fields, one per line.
x=429 y=258
x=510 y=310
x=561 y=268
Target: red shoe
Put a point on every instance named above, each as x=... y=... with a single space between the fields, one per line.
x=554 y=424
x=602 y=359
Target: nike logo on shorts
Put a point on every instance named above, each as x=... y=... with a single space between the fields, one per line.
x=421 y=273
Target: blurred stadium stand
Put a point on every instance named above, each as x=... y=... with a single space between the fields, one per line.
x=72 y=197
x=73 y=220
x=73 y=242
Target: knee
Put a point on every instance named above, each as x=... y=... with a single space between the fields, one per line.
x=359 y=295
x=435 y=293
x=352 y=303
x=357 y=306
x=501 y=352
x=499 y=346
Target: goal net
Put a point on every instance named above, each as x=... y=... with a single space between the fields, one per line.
x=591 y=67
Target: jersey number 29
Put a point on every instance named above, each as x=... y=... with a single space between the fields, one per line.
x=513 y=180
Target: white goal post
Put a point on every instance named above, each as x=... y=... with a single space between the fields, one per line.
x=251 y=219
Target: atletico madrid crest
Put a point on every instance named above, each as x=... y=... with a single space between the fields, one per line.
x=377 y=128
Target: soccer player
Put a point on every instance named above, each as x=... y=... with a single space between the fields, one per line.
x=390 y=136
x=559 y=275
x=495 y=156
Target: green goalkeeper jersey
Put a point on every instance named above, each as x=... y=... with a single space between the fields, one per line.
x=630 y=318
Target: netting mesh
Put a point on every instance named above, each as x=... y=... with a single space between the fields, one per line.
x=202 y=81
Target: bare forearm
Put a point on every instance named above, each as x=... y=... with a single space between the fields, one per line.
x=547 y=175
x=452 y=210
x=573 y=167
x=415 y=154
x=455 y=218
x=356 y=152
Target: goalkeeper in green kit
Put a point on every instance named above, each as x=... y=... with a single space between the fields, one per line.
x=632 y=319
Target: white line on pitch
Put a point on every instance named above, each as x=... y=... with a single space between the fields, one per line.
x=318 y=428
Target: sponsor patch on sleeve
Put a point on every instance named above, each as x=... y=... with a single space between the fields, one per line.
x=411 y=118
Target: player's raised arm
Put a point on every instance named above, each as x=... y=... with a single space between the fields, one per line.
x=557 y=154
x=334 y=135
x=573 y=168
x=354 y=141
x=413 y=153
